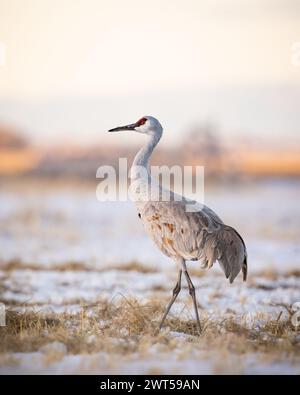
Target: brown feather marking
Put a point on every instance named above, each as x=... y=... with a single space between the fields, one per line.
x=170 y=227
x=166 y=241
x=155 y=217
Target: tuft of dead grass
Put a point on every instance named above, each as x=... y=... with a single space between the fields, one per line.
x=127 y=326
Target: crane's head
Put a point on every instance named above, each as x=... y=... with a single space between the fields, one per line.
x=146 y=125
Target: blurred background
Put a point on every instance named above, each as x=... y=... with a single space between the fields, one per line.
x=221 y=76
x=218 y=74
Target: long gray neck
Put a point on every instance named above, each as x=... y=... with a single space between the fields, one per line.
x=142 y=157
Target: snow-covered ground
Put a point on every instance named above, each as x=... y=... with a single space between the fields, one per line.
x=48 y=226
x=43 y=230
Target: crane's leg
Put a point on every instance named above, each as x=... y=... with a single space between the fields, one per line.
x=193 y=294
x=176 y=291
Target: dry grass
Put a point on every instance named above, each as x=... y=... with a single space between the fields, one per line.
x=126 y=327
x=74 y=266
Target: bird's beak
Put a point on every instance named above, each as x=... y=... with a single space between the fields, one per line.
x=126 y=127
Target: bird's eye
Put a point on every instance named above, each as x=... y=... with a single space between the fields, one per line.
x=142 y=121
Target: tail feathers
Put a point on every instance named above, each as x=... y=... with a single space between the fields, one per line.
x=232 y=253
x=228 y=248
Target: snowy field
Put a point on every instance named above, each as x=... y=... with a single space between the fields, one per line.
x=84 y=287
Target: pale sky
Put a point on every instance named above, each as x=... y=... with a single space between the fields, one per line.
x=117 y=48
x=113 y=47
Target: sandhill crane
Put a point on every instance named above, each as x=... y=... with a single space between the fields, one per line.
x=181 y=235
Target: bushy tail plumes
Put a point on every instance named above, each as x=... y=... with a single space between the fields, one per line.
x=232 y=254
x=228 y=248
